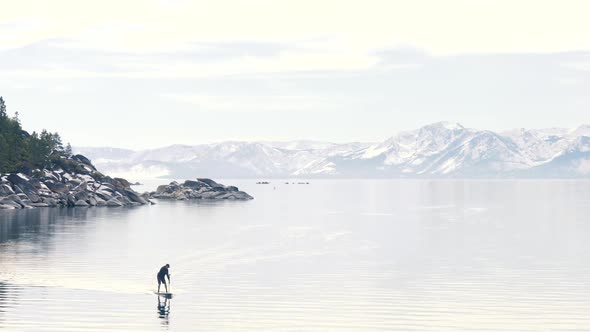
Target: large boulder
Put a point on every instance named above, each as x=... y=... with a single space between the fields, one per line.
x=209 y=182
x=23 y=184
x=179 y=195
x=80 y=203
x=121 y=183
x=103 y=195
x=82 y=159
x=81 y=195
x=13 y=201
x=5 y=190
x=50 y=202
x=100 y=201
x=195 y=185
x=219 y=189
x=114 y=202
x=57 y=187
x=135 y=197
x=211 y=195
x=161 y=189
x=125 y=200
x=71 y=199
x=242 y=195
x=83 y=186
x=231 y=188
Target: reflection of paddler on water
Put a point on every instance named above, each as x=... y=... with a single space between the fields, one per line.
x=164 y=307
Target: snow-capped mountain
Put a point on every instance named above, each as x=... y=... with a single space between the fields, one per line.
x=437 y=150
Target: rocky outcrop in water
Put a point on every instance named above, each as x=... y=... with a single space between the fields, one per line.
x=72 y=182
x=199 y=189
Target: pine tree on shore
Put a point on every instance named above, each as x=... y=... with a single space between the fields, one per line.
x=24 y=152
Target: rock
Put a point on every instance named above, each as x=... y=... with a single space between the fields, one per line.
x=92 y=201
x=23 y=197
x=24 y=186
x=80 y=203
x=82 y=195
x=34 y=198
x=121 y=183
x=243 y=195
x=179 y=195
x=82 y=159
x=134 y=197
x=12 y=202
x=104 y=196
x=125 y=200
x=74 y=182
x=50 y=202
x=71 y=200
x=231 y=188
x=100 y=202
x=57 y=187
x=161 y=189
x=209 y=182
x=219 y=189
x=194 y=184
x=211 y=195
x=7 y=207
x=114 y=202
x=107 y=185
x=5 y=190
x=39 y=204
x=83 y=186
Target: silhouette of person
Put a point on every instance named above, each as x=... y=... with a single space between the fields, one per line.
x=161 y=277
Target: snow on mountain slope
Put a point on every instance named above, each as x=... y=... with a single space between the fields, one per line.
x=440 y=149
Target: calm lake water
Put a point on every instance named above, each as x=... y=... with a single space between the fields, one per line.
x=328 y=256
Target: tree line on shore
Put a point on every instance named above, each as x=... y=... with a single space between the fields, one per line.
x=24 y=152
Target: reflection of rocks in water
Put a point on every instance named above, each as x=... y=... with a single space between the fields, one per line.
x=164 y=309
x=37 y=225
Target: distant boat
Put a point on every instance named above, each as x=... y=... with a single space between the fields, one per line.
x=263 y=182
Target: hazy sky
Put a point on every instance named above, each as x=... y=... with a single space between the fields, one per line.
x=146 y=73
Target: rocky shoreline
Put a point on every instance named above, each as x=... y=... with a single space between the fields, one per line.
x=77 y=183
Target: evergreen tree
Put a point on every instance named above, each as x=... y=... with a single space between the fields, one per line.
x=2 y=108
x=21 y=152
x=68 y=151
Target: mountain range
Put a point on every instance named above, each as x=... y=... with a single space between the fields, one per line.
x=438 y=150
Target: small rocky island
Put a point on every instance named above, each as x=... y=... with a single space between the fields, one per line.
x=199 y=189
x=76 y=182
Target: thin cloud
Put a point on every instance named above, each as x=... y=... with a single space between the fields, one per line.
x=252 y=103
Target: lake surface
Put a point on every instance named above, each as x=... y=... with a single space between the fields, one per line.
x=343 y=255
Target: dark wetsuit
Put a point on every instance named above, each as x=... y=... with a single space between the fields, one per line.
x=163 y=273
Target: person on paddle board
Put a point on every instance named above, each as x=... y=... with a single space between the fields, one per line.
x=161 y=277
